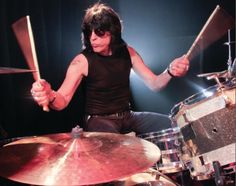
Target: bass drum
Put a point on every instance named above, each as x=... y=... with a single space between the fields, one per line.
x=208 y=124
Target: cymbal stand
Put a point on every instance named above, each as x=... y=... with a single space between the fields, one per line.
x=216 y=76
x=229 y=63
x=219 y=176
x=233 y=68
x=158 y=173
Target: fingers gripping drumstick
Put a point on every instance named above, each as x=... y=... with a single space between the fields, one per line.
x=23 y=31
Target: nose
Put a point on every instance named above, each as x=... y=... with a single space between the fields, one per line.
x=93 y=36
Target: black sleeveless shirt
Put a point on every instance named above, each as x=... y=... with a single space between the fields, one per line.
x=107 y=84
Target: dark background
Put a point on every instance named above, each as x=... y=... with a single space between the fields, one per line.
x=159 y=30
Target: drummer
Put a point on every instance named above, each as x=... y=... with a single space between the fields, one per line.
x=104 y=64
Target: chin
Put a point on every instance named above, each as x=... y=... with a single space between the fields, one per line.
x=97 y=51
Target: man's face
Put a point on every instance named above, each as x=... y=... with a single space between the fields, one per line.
x=100 y=41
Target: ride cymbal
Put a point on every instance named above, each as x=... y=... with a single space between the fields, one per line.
x=64 y=159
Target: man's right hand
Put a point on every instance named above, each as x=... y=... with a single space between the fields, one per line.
x=42 y=92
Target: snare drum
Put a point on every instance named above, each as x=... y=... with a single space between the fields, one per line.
x=207 y=121
x=170 y=143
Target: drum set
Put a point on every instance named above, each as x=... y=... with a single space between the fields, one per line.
x=202 y=142
x=203 y=138
x=208 y=127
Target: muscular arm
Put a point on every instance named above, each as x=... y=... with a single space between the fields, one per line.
x=178 y=68
x=151 y=80
x=77 y=69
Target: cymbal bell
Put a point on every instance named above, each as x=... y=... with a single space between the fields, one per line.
x=7 y=70
x=63 y=159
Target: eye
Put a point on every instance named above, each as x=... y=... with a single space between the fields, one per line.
x=99 y=32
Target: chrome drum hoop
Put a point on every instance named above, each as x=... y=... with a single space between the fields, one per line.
x=170 y=142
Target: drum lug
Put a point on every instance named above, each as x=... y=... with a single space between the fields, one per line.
x=228 y=102
x=219 y=177
x=198 y=169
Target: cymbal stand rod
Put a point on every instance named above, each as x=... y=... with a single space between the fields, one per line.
x=229 y=53
x=216 y=78
x=158 y=173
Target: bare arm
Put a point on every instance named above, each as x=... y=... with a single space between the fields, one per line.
x=74 y=75
x=59 y=99
x=178 y=68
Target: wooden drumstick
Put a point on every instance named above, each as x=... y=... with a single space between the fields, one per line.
x=216 y=26
x=34 y=63
x=23 y=31
x=202 y=31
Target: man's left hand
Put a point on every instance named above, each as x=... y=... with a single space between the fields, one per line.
x=179 y=67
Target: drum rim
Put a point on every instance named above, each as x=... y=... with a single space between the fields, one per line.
x=228 y=85
x=170 y=151
x=170 y=164
x=169 y=139
x=174 y=130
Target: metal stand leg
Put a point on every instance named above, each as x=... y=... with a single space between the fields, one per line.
x=219 y=176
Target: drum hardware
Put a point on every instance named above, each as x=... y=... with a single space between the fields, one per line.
x=207 y=124
x=229 y=61
x=76 y=158
x=170 y=142
x=228 y=102
x=221 y=86
x=216 y=76
x=227 y=74
x=228 y=43
x=159 y=174
x=201 y=166
x=151 y=177
x=229 y=169
x=233 y=68
x=191 y=109
x=195 y=106
x=219 y=176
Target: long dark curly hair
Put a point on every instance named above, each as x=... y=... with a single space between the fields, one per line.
x=102 y=17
